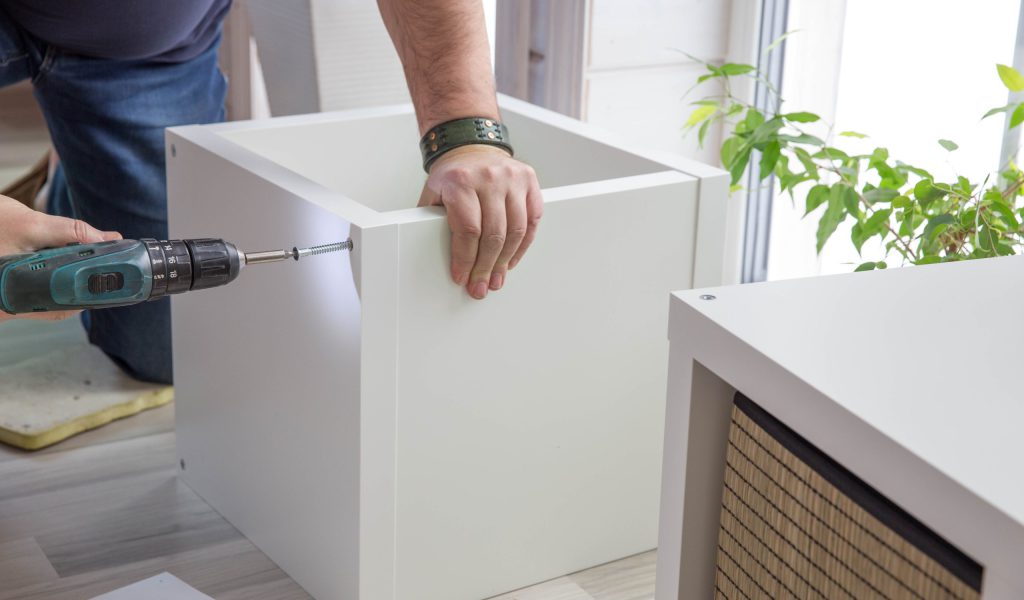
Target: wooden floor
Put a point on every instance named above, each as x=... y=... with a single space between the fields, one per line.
x=105 y=509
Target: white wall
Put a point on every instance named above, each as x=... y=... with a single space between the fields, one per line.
x=637 y=74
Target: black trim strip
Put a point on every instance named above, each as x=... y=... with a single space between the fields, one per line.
x=880 y=507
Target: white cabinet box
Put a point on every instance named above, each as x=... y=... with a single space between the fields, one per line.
x=374 y=430
x=857 y=366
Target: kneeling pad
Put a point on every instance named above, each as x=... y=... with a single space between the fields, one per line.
x=49 y=398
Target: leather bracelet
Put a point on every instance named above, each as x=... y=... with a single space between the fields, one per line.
x=462 y=132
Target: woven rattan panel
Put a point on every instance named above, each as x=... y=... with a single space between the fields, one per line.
x=794 y=524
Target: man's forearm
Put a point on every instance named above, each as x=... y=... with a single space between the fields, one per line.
x=447 y=60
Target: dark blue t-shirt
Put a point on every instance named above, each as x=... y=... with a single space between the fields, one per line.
x=163 y=30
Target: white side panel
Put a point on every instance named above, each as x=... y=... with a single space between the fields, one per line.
x=530 y=424
x=268 y=374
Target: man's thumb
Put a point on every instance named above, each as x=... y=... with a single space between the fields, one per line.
x=50 y=232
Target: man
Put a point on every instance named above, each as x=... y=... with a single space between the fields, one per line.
x=111 y=75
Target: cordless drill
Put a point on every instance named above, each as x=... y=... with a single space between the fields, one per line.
x=126 y=272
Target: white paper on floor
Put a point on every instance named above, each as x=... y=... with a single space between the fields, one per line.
x=162 y=587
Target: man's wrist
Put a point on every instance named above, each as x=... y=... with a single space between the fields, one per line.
x=456 y=133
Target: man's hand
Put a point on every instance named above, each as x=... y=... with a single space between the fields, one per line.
x=25 y=230
x=494 y=205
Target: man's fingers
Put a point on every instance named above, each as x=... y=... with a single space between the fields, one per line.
x=46 y=231
x=40 y=316
x=492 y=240
x=534 y=211
x=429 y=197
x=516 y=216
x=464 y=222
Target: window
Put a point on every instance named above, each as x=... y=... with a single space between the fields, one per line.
x=906 y=73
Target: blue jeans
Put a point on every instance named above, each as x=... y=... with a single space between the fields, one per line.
x=107 y=121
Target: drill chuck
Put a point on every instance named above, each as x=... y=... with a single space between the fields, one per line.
x=182 y=265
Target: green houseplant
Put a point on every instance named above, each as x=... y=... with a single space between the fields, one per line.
x=919 y=219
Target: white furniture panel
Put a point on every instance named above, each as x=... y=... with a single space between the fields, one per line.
x=858 y=365
x=373 y=429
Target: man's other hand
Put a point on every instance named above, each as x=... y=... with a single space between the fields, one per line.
x=25 y=230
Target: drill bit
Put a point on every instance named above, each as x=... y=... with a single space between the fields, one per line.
x=269 y=256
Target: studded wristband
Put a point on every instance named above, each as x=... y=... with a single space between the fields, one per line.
x=462 y=132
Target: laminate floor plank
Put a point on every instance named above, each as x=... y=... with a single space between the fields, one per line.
x=631 y=578
x=22 y=563
x=219 y=571
x=562 y=588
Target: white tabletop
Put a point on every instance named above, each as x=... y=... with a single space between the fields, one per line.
x=931 y=357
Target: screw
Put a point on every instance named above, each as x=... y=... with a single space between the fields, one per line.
x=174 y=151
x=181 y=463
x=706 y=297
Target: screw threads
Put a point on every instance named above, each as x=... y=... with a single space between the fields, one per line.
x=325 y=248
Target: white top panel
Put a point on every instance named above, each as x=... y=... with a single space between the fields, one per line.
x=928 y=356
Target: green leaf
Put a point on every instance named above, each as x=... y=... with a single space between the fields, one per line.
x=1017 y=117
x=857 y=236
x=739 y=163
x=803 y=138
x=831 y=154
x=805 y=159
x=816 y=197
x=967 y=218
x=736 y=69
x=880 y=195
x=1011 y=77
x=852 y=134
x=936 y=225
x=876 y=222
x=766 y=130
x=699 y=114
x=901 y=202
x=948 y=145
x=851 y=201
x=868 y=266
x=835 y=213
x=729 y=148
x=996 y=111
x=926 y=192
x=881 y=264
x=769 y=156
x=735 y=188
x=928 y=260
x=801 y=117
x=775 y=43
x=1006 y=213
x=750 y=122
x=703 y=131
x=987 y=238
